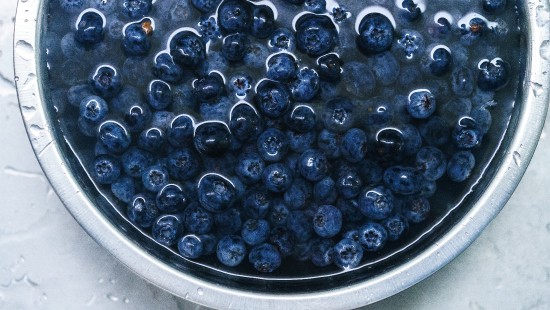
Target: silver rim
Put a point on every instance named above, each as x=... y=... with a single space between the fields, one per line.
x=518 y=153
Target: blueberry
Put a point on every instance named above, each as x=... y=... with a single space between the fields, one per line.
x=231 y=250
x=106 y=81
x=347 y=254
x=154 y=178
x=263 y=21
x=137 y=116
x=255 y=232
x=354 y=145
x=421 y=104
x=191 y=246
x=197 y=220
x=482 y=118
x=278 y=215
x=411 y=138
x=410 y=44
x=281 y=67
x=349 y=185
x=208 y=28
x=105 y=169
x=462 y=81
x=273 y=99
x=340 y=14
x=71 y=6
x=277 y=177
x=171 y=199
x=472 y=31
x=166 y=70
x=181 y=130
x=431 y=162
x=124 y=189
x=167 y=229
x=315 y=34
x=93 y=109
x=86 y=127
x=282 y=39
x=151 y=139
x=493 y=75
x=77 y=93
x=306 y=85
x=208 y=88
x=235 y=16
x=205 y=6
x=299 y=142
x=379 y=111
x=409 y=75
x=316 y=6
x=493 y=6
x=375 y=34
x=460 y=166
x=187 y=49
x=402 y=180
x=256 y=203
x=159 y=95
x=327 y=221
x=390 y=144
x=313 y=165
x=298 y=194
x=183 y=164
x=435 y=132
x=358 y=79
x=410 y=10
x=386 y=68
x=441 y=29
x=338 y=115
x=283 y=240
x=245 y=123
x=396 y=226
x=272 y=145
x=441 y=60
x=114 y=136
x=256 y=55
x=137 y=8
x=89 y=28
x=136 y=40
x=240 y=84
x=249 y=168
x=216 y=192
x=372 y=236
x=329 y=143
x=142 y=210
x=301 y=119
x=212 y=138
x=228 y=222
x=376 y=203
x=330 y=67
x=302 y=251
x=370 y=172
x=162 y=119
x=234 y=47
x=300 y=225
x=466 y=134
x=416 y=209
x=135 y=161
x=217 y=110
x=324 y=191
x=322 y=252
x=265 y=257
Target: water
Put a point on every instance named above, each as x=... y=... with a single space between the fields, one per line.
x=70 y=65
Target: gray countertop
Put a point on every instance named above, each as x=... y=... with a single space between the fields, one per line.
x=48 y=261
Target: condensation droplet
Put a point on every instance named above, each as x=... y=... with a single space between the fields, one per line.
x=186 y=296
x=537 y=89
x=126 y=300
x=545 y=50
x=100 y=280
x=24 y=49
x=200 y=291
x=542 y=15
x=517 y=158
x=113 y=281
x=112 y=297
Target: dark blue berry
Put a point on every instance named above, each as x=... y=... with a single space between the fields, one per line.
x=228 y=222
x=493 y=75
x=162 y=119
x=460 y=166
x=435 y=132
x=472 y=31
x=212 y=138
x=282 y=39
x=181 y=130
x=306 y=85
x=135 y=161
x=183 y=164
x=137 y=8
x=187 y=49
x=372 y=236
x=370 y=172
x=281 y=67
x=263 y=21
x=301 y=119
x=208 y=88
x=114 y=136
x=105 y=169
x=89 y=28
x=313 y=165
x=416 y=209
x=441 y=61
x=216 y=192
x=327 y=221
x=315 y=34
x=106 y=81
x=466 y=134
x=299 y=142
x=255 y=231
x=166 y=70
x=279 y=215
x=151 y=139
x=273 y=99
x=167 y=229
x=137 y=116
x=396 y=226
x=240 y=84
x=208 y=28
x=245 y=122
x=410 y=10
x=93 y=109
x=421 y=104
x=235 y=16
x=462 y=81
x=354 y=145
x=431 y=162
x=205 y=6
x=375 y=34
x=231 y=250
x=316 y=6
x=347 y=254
x=277 y=177
x=386 y=68
x=329 y=143
x=322 y=252
x=403 y=180
x=142 y=210
x=256 y=203
x=283 y=240
x=171 y=199
x=340 y=14
x=350 y=210
x=249 y=168
x=410 y=44
x=159 y=95
x=71 y=6
x=197 y=220
x=330 y=67
x=493 y=6
x=298 y=194
x=191 y=246
x=349 y=185
x=272 y=145
x=265 y=257
x=300 y=225
x=235 y=47
x=324 y=191
x=338 y=115
x=136 y=40
x=124 y=188
x=154 y=178
x=376 y=203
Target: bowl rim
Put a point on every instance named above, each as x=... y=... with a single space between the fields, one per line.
x=506 y=178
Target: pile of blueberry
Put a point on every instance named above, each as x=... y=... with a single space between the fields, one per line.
x=321 y=140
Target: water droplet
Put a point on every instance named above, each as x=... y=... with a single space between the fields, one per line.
x=186 y=296
x=545 y=50
x=112 y=297
x=24 y=49
x=100 y=280
x=200 y=291
x=126 y=300
x=537 y=89
x=517 y=158
x=113 y=281
x=438 y=254
x=542 y=15
x=44 y=297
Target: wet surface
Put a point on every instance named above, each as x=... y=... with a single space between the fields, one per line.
x=47 y=261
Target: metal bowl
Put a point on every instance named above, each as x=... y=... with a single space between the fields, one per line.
x=350 y=290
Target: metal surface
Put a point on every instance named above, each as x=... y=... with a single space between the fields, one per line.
x=496 y=194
